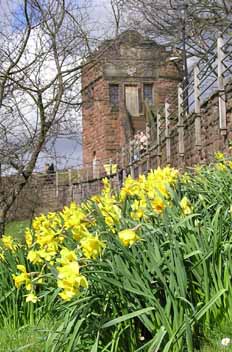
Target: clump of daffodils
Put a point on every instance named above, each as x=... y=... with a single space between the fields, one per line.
x=47 y=247
x=108 y=206
x=69 y=278
x=153 y=189
x=60 y=245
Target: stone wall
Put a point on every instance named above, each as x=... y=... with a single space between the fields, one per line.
x=43 y=195
x=212 y=138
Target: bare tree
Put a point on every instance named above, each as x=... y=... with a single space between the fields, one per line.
x=179 y=23
x=118 y=8
x=40 y=66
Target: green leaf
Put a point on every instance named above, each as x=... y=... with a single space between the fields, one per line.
x=127 y=317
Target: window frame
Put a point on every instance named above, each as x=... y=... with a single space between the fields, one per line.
x=152 y=92
x=114 y=105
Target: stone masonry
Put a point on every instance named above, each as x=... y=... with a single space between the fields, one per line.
x=128 y=67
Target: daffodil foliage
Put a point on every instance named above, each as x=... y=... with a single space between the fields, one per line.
x=142 y=269
x=63 y=243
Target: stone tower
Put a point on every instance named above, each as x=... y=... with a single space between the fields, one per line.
x=116 y=81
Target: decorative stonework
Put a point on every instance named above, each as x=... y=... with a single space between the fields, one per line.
x=130 y=60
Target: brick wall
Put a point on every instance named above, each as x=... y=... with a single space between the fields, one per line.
x=129 y=60
x=41 y=196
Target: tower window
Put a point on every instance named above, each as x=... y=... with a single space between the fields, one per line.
x=132 y=99
x=114 y=95
x=148 y=93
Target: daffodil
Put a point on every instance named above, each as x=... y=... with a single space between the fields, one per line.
x=128 y=237
x=92 y=246
x=186 y=206
x=22 y=278
x=229 y=164
x=138 y=209
x=28 y=237
x=31 y=297
x=34 y=257
x=9 y=243
x=67 y=256
x=70 y=280
x=220 y=167
x=158 y=205
x=131 y=187
x=219 y=156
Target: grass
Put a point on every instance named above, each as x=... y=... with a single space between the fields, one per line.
x=215 y=336
x=27 y=338
x=16 y=228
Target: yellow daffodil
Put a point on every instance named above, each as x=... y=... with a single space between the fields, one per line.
x=28 y=237
x=229 y=164
x=22 y=278
x=67 y=295
x=186 y=206
x=158 y=205
x=138 y=209
x=67 y=256
x=220 y=167
x=31 y=297
x=131 y=187
x=34 y=257
x=185 y=178
x=219 y=156
x=92 y=246
x=128 y=237
x=8 y=242
x=70 y=280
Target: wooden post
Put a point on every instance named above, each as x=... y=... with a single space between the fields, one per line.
x=87 y=179
x=118 y=169
x=197 y=107
x=98 y=177
x=131 y=158
x=70 y=184
x=221 y=86
x=57 y=184
x=158 y=138
x=122 y=158
x=148 y=138
x=130 y=152
x=132 y=170
x=123 y=164
x=167 y=132
x=180 y=122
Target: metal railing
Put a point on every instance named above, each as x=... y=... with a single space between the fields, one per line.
x=208 y=76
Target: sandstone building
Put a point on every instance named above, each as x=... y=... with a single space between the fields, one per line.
x=116 y=81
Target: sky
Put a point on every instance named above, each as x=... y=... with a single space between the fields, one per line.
x=67 y=152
